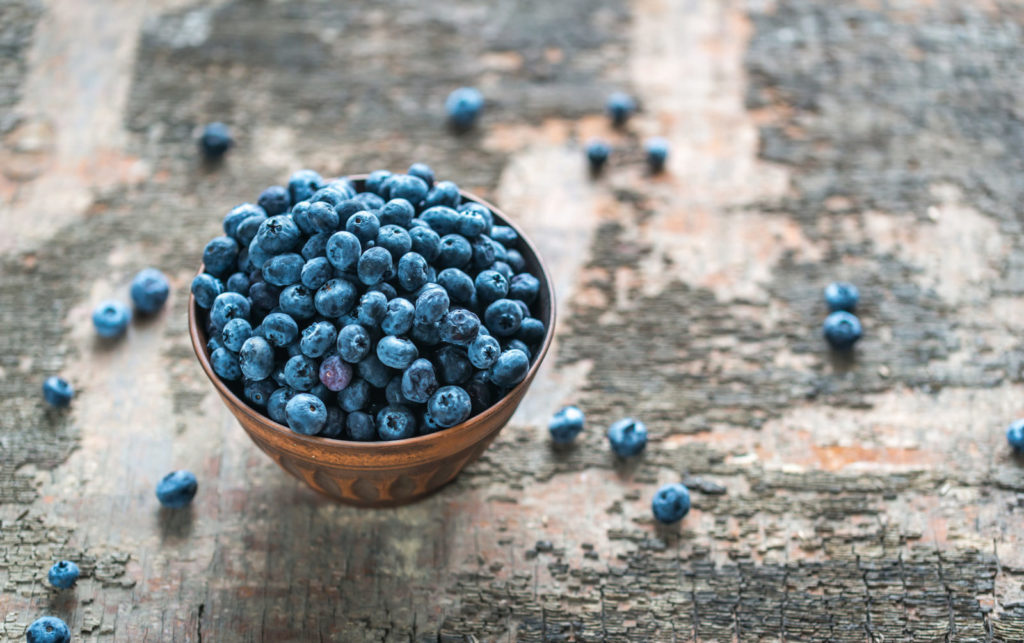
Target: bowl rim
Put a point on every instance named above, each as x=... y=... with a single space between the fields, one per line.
x=470 y=424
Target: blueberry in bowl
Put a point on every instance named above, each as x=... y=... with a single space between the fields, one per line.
x=379 y=331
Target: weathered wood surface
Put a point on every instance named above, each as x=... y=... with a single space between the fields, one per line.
x=871 y=499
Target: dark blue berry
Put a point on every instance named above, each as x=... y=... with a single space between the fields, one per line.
x=238 y=282
x=483 y=351
x=316 y=246
x=63 y=574
x=395 y=423
x=458 y=284
x=520 y=346
x=515 y=260
x=316 y=272
x=425 y=241
x=395 y=240
x=280 y=329
x=334 y=427
x=671 y=503
x=531 y=331
x=283 y=270
x=566 y=425
x=484 y=251
x=353 y=343
x=301 y=373
x=110 y=318
x=656 y=150
x=503 y=317
x=411 y=188
x=423 y=171
x=443 y=193
x=343 y=250
x=442 y=219
x=330 y=194
x=481 y=392
x=177 y=489
x=502 y=268
x=318 y=338
x=300 y=215
x=627 y=437
x=453 y=365
x=372 y=308
x=396 y=352
x=360 y=427
x=399 y=317
x=463 y=107
x=842 y=330
x=510 y=368
x=524 y=287
x=620 y=107
x=225 y=364
x=215 y=141
x=459 y=326
x=306 y=414
x=840 y=295
x=505 y=235
x=220 y=255
x=369 y=201
x=1015 y=435
x=374 y=266
x=249 y=227
x=419 y=381
x=235 y=332
x=364 y=225
x=256 y=358
x=431 y=305
x=149 y=291
x=481 y=209
x=57 y=391
x=471 y=223
x=355 y=396
x=323 y=217
x=297 y=301
x=375 y=181
x=277 y=403
x=303 y=184
x=490 y=285
x=228 y=306
x=412 y=271
x=426 y=333
x=449 y=405
x=335 y=298
x=237 y=215
x=456 y=252
x=374 y=371
x=278 y=234
x=274 y=200
x=259 y=392
x=597 y=154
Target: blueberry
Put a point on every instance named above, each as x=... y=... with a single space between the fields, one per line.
x=503 y=317
x=396 y=352
x=316 y=246
x=214 y=343
x=334 y=427
x=431 y=305
x=515 y=260
x=234 y=334
x=393 y=391
x=283 y=270
x=374 y=266
x=149 y=290
x=531 y=331
x=249 y=227
x=510 y=368
x=353 y=343
x=412 y=271
x=225 y=364
x=491 y=285
x=300 y=215
x=500 y=251
x=318 y=338
x=395 y=240
x=458 y=284
x=301 y=373
x=459 y=326
x=503 y=269
x=376 y=180
x=347 y=208
x=481 y=392
x=471 y=223
x=840 y=295
x=237 y=215
x=442 y=219
x=483 y=351
x=519 y=345
x=335 y=298
x=306 y=414
x=355 y=396
x=484 y=251
x=423 y=171
x=323 y=217
x=259 y=392
x=620 y=107
x=842 y=330
x=280 y=329
x=227 y=306
x=238 y=282
x=524 y=287
x=57 y=391
x=627 y=437
x=426 y=333
x=453 y=364
x=449 y=405
x=330 y=194
x=215 y=141
x=566 y=425
x=220 y=255
x=372 y=307
x=335 y=374
x=397 y=212
x=297 y=301
x=360 y=427
x=303 y=184
x=671 y=503
x=426 y=242
x=479 y=208
x=419 y=381
x=369 y=201
x=343 y=250
x=597 y=154
x=1015 y=436
x=63 y=574
x=278 y=234
x=111 y=318
x=395 y=422
x=411 y=188
x=427 y=424
x=315 y=273
x=274 y=200
x=374 y=371
x=364 y=225
x=177 y=489
x=522 y=307
x=48 y=629
x=443 y=193
x=463 y=107
x=505 y=235
x=399 y=316
x=277 y=402
x=656 y=150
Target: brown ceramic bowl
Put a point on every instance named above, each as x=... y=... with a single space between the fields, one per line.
x=383 y=474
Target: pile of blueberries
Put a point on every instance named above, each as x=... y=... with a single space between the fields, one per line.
x=377 y=312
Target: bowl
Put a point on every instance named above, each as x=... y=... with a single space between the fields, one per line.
x=384 y=474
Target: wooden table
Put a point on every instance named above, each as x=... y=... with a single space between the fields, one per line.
x=871 y=498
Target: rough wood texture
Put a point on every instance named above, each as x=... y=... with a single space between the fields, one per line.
x=844 y=500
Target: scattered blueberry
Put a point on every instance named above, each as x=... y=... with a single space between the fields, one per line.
x=463 y=106
x=671 y=503
x=597 y=154
x=627 y=437
x=1015 y=436
x=111 y=319
x=149 y=291
x=840 y=295
x=215 y=141
x=566 y=425
x=176 y=489
x=656 y=150
x=63 y=574
x=620 y=106
x=57 y=391
x=842 y=330
x=48 y=629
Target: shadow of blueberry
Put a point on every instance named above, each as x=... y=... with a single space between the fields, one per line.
x=175 y=524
